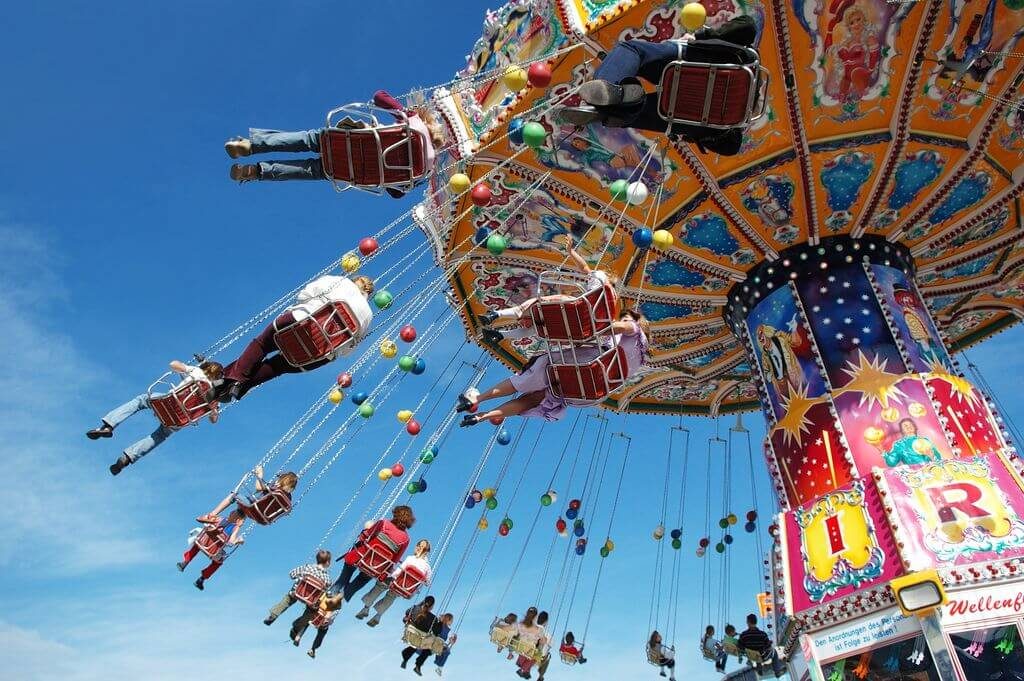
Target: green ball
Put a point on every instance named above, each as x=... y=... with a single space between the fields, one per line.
x=545 y=500
x=507 y=522
x=496 y=244
x=534 y=134
x=366 y=410
x=383 y=299
x=720 y=547
x=406 y=363
x=427 y=457
x=618 y=190
x=723 y=523
x=677 y=543
x=492 y=503
x=412 y=488
x=604 y=552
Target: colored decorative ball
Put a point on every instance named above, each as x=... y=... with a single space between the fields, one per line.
x=515 y=130
x=571 y=514
x=492 y=503
x=693 y=16
x=704 y=542
x=723 y=523
x=481 y=194
x=413 y=427
x=604 y=552
x=580 y=550
x=366 y=410
x=676 y=543
x=419 y=367
x=407 y=333
x=427 y=458
x=575 y=504
x=545 y=500
x=344 y=379
x=412 y=487
x=581 y=542
x=384 y=474
x=751 y=516
x=553 y=495
x=700 y=553
x=676 y=534
x=496 y=244
x=422 y=484
x=398 y=470
x=560 y=525
x=636 y=193
x=350 y=262
x=659 y=532
x=335 y=396
x=503 y=530
x=404 y=416
x=406 y=363
x=618 y=190
x=496 y=420
x=579 y=530
x=578 y=523
x=507 y=521
x=663 y=239
x=515 y=78
x=368 y=245
x=731 y=518
x=388 y=349
x=720 y=547
x=609 y=544
x=477 y=495
x=383 y=299
x=534 y=134
x=359 y=397
x=458 y=183
x=643 y=238
x=773 y=530
x=489 y=492
x=727 y=539
x=504 y=437
x=539 y=74
x=482 y=525
x=750 y=527
x=470 y=503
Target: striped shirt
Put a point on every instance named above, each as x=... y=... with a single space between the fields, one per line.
x=310 y=570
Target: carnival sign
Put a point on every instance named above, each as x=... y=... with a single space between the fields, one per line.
x=1001 y=602
x=864 y=633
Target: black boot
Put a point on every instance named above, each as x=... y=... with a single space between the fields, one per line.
x=726 y=144
x=469 y=420
x=492 y=336
x=489 y=317
x=603 y=93
x=119 y=465
x=199 y=583
x=103 y=431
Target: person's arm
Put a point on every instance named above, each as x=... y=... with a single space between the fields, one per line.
x=214 y=414
x=581 y=264
x=261 y=486
x=180 y=367
x=384 y=100
x=624 y=327
x=235 y=538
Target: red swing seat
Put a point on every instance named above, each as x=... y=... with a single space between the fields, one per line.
x=176 y=406
x=308 y=590
x=211 y=541
x=407 y=582
x=374 y=157
x=378 y=557
x=585 y=384
x=579 y=320
x=321 y=619
x=720 y=96
x=267 y=507
x=317 y=337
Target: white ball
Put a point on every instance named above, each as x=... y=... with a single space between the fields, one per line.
x=636 y=193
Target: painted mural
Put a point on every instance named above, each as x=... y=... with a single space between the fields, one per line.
x=914 y=173
x=710 y=232
x=842 y=177
x=968 y=419
x=809 y=451
x=770 y=199
x=911 y=321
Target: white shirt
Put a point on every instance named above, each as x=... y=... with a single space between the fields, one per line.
x=417 y=124
x=196 y=374
x=333 y=289
x=420 y=564
x=531 y=634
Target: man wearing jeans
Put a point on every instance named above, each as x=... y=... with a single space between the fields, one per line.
x=758 y=641
x=320 y=571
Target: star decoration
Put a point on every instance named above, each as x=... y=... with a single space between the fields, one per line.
x=870 y=378
x=960 y=387
x=795 y=422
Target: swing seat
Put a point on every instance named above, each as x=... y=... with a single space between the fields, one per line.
x=308 y=590
x=266 y=508
x=731 y=648
x=568 y=658
x=176 y=406
x=659 y=659
x=714 y=95
x=527 y=650
x=422 y=640
x=373 y=157
x=499 y=636
x=321 y=619
x=407 y=582
x=585 y=384
x=318 y=337
x=579 y=320
x=212 y=542
x=378 y=557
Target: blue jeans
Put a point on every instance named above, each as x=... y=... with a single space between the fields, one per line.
x=439 y=660
x=264 y=141
x=144 y=446
x=628 y=60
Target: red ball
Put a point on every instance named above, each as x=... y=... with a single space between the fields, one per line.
x=412 y=427
x=344 y=379
x=539 y=74
x=575 y=504
x=368 y=245
x=397 y=470
x=503 y=530
x=473 y=407
x=481 y=194
x=407 y=333
x=497 y=420
x=560 y=525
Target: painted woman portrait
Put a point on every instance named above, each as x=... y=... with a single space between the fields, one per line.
x=910 y=448
x=852 y=52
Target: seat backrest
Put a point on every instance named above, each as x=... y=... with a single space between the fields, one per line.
x=378 y=555
x=183 y=405
x=754 y=656
x=268 y=507
x=374 y=156
x=730 y=94
x=210 y=542
x=318 y=336
x=407 y=582
x=589 y=382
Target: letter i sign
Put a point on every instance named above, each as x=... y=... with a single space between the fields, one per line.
x=835 y=534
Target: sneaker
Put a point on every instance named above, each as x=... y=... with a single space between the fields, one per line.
x=469 y=420
x=725 y=144
x=363 y=614
x=181 y=566
x=419 y=672
x=662 y=673
x=373 y=621
x=119 y=465
x=404 y=662
x=467 y=399
x=311 y=653
x=102 y=431
x=244 y=173
x=295 y=641
x=603 y=93
x=238 y=146
x=580 y=115
x=199 y=583
x=489 y=317
x=492 y=336
x=268 y=621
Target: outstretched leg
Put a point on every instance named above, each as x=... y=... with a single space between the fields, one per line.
x=515 y=407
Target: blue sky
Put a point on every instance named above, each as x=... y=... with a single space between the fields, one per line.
x=123 y=245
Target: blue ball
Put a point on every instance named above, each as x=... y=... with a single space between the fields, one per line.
x=727 y=539
x=643 y=238
x=422 y=484
x=480 y=237
x=504 y=437
x=580 y=550
x=359 y=397
x=420 y=366
x=515 y=130
x=571 y=514
x=676 y=534
x=579 y=530
x=470 y=503
x=750 y=527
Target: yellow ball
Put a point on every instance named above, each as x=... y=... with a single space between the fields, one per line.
x=335 y=396
x=388 y=348
x=384 y=474
x=350 y=262
x=662 y=238
x=458 y=183
x=693 y=16
x=482 y=525
x=515 y=78
x=489 y=492
x=610 y=545
x=404 y=416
